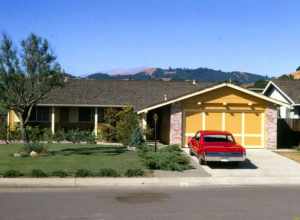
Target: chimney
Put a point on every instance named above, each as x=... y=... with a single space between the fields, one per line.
x=165 y=97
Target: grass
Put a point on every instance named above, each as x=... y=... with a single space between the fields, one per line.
x=294 y=155
x=70 y=158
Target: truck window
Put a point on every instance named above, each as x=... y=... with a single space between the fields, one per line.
x=218 y=138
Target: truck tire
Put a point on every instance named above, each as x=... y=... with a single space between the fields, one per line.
x=202 y=161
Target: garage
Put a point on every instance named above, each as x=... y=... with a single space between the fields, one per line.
x=251 y=117
x=247 y=127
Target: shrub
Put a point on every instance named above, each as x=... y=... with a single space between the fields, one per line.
x=47 y=135
x=35 y=134
x=59 y=136
x=38 y=173
x=3 y=132
x=59 y=173
x=128 y=121
x=74 y=136
x=106 y=132
x=167 y=158
x=137 y=138
x=12 y=173
x=89 y=137
x=83 y=173
x=37 y=147
x=108 y=172
x=134 y=172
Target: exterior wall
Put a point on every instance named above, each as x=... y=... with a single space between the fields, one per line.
x=176 y=124
x=271 y=128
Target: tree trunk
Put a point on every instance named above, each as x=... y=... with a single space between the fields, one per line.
x=24 y=136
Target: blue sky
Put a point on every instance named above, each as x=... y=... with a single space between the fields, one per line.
x=259 y=36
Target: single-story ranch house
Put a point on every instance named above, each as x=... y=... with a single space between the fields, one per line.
x=182 y=108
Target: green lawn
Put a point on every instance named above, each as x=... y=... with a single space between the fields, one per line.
x=70 y=157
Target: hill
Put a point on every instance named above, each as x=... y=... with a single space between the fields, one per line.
x=200 y=74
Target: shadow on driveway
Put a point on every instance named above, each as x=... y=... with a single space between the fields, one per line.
x=245 y=165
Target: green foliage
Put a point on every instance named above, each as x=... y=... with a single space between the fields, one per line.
x=127 y=123
x=137 y=138
x=76 y=136
x=260 y=83
x=3 y=132
x=298 y=69
x=59 y=136
x=83 y=173
x=286 y=77
x=12 y=173
x=27 y=76
x=47 y=135
x=134 y=172
x=109 y=172
x=59 y=173
x=38 y=173
x=167 y=158
x=37 y=147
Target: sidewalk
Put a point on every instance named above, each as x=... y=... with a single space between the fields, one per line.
x=147 y=181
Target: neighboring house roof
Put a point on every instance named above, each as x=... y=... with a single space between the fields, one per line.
x=211 y=88
x=288 y=88
x=117 y=93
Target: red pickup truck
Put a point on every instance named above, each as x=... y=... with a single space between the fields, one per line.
x=216 y=146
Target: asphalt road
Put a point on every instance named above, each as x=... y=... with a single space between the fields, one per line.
x=207 y=203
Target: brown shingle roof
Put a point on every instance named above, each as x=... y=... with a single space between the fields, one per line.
x=139 y=94
x=290 y=88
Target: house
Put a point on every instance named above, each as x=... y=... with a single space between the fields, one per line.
x=182 y=109
x=287 y=91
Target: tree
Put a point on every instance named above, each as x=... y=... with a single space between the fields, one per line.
x=128 y=121
x=27 y=76
x=260 y=83
x=298 y=69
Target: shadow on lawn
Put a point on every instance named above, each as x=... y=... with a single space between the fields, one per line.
x=111 y=151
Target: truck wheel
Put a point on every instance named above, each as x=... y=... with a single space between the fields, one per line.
x=202 y=161
x=191 y=152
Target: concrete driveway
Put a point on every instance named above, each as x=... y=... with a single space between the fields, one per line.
x=260 y=163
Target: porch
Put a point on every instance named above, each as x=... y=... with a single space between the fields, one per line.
x=70 y=117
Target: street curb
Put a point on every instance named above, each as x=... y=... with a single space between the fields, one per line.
x=146 y=181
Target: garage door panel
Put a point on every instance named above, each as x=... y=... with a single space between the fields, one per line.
x=252 y=141
x=233 y=122
x=252 y=123
x=193 y=122
x=238 y=139
x=213 y=121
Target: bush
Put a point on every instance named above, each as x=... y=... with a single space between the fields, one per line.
x=137 y=138
x=89 y=137
x=74 y=136
x=47 y=135
x=167 y=158
x=127 y=123
x=83 y=173
x=12 y=173
x=134 y=172
x=38 y=173
x=59 y=136
x=35 y=134
x=37 y=147
x=108 y=172
x=59 y=173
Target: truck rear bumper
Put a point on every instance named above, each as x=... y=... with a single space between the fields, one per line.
x=225 y=159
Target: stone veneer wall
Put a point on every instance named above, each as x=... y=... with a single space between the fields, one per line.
x=271 y=128
x=176 y=124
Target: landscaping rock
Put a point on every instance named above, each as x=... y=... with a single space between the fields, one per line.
x=17 y=155
x=33 y=154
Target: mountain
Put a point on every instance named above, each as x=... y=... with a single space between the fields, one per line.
x=200 y=74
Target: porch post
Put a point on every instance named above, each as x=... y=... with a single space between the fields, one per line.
x=144 y=123
x=96 y=121
x=52 y=120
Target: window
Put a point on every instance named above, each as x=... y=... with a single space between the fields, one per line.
x=218 y=138
x=84 y=114
x=39 y=114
